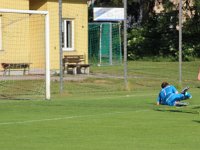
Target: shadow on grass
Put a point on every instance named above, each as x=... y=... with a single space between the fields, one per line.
x=196 y=107
x=177 y=110
x=197 y=121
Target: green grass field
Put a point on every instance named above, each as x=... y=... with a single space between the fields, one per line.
x=99 y=114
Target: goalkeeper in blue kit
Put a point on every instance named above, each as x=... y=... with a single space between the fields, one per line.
x=170 y=96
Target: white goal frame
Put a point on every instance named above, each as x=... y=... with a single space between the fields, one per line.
x=47 y=42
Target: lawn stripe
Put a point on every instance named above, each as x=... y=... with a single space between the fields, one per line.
x=129 y=95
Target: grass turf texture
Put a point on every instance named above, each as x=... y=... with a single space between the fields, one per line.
x=95 y=115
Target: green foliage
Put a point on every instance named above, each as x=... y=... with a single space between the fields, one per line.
x=153 y=34
x=108 y=3
x=191 y=32
x=158 y=36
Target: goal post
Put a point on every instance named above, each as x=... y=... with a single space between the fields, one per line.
x=25 y=47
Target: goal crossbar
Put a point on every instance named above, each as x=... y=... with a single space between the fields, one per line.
x=23 y=11
x=47 y=42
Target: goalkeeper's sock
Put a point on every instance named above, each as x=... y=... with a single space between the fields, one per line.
x=179 y=104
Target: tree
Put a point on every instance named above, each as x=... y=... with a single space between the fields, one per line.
x=191 y=31
x=156 y=34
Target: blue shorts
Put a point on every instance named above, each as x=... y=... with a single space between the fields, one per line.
x=177 y=97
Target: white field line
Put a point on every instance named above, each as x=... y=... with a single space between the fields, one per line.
x=123 y=96
x=72 y=117
x=65 y=118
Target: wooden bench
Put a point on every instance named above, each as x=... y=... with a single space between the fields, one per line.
x=15 y=66
x=75 y=57
x=75 y=63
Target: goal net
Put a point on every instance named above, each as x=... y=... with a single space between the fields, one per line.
x=24 y=54
x=105 y=43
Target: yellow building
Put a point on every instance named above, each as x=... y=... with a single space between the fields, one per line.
x=29 y=45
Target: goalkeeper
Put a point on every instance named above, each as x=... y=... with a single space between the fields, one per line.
x=170 y=96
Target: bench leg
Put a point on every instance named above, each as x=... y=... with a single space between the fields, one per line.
x=4 y=72
x=63 y=70
x=75 y=70
x=87 y=70
x=66 y=70
x=24 y=72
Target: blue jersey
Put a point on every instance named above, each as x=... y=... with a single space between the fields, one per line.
x=165 y=93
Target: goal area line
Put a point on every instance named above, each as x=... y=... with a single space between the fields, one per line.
x=69 y=117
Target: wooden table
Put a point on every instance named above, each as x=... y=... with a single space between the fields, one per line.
x=75 y=63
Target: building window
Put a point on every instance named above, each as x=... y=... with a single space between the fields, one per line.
x=68 y=34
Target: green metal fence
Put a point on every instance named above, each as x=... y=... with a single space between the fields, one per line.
x=105 y=44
